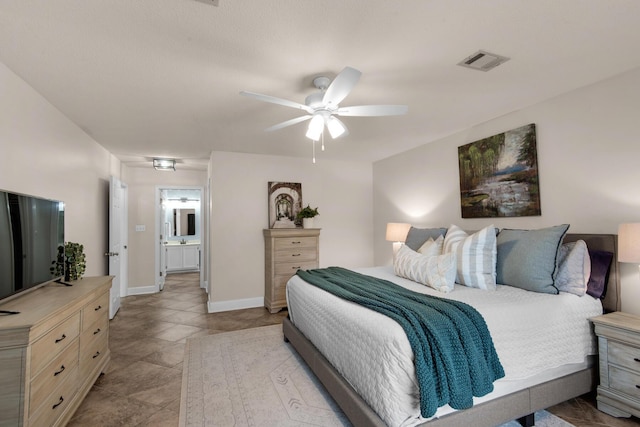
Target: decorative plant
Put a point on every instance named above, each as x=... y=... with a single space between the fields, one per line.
x=70 y=261
x=307 y=212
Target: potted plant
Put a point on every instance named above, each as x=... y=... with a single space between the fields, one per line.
x=71 y=262
x=306 y=215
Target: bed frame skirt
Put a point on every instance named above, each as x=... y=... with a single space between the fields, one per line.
x=513 y=406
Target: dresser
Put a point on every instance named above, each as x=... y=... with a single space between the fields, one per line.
x=285 y=251
x=619 y=354
x=52 y=352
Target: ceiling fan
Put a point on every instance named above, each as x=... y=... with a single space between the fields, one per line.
x=322 y=107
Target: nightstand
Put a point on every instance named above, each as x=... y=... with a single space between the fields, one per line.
x=619 y=347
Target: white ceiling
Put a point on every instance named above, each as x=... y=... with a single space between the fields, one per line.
x=149 y=78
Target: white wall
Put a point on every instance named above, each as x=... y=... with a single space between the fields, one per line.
x=342 y=191
x=588 y=157
x=142 y=203
x=43 y=153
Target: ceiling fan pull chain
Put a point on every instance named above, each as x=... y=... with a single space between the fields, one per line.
x=322 y=139
x=313 y=144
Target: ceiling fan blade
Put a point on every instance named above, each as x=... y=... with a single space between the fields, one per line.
x=288 y=123
x=341 y=86
x=373 y=110
x=274 y=100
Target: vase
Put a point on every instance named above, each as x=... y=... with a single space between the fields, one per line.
x=307 y=222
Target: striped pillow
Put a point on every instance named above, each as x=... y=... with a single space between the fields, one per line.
x=436 y=271
x=476 y=256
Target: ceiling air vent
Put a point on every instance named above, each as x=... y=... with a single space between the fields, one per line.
x=483 y=61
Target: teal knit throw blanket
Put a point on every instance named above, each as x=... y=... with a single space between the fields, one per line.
x=453 y=351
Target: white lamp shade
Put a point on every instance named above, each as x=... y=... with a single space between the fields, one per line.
x=316 y=125
x=397 y=231
x=629 y=243
x=336 y=127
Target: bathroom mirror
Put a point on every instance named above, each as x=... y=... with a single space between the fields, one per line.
x=184 y=222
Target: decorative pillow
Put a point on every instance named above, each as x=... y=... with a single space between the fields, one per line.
x=528 y=259
x=600 y=266
x=475 y=256
x=432 y=247
x=417 y=236
x=574 y=268
x=438 y=272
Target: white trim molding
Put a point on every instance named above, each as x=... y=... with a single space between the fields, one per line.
x=143 y=290
x=238 y=304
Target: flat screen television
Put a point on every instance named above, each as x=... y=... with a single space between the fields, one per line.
x=31 y=232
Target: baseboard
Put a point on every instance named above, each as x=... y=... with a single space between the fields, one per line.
x=142 y=290
x=239 y=304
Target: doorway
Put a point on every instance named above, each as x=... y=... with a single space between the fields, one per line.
x=180 y=243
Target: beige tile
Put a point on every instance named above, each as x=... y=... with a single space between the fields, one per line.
x=178 y=332
x=105 y=409
x=169 y=356
x=138 y=377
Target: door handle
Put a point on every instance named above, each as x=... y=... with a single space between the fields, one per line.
x=111 y=254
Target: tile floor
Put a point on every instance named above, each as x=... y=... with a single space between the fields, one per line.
x=141 y=386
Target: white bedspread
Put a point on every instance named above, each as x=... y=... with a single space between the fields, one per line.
x=532 y=333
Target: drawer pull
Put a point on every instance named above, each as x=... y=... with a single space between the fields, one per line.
x=97 y=331
x=295 y=243
x=96 y=355
x=61 y=338
x=62 y=368
x=295 y=268
x=97 y=308
x=295 y=254
x=59 y=403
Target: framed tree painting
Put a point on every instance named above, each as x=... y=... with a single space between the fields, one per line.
x=285 y=201
x=499 y=175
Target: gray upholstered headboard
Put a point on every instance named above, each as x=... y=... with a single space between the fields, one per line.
x=609 y=243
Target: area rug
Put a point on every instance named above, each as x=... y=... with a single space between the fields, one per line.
x=253 y=378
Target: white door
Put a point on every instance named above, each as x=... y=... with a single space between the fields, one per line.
x=117 y=244
x=164 y=236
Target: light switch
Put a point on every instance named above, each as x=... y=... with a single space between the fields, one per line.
x=140 y=227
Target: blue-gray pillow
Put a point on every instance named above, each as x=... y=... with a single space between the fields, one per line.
x=417 y=236
x=528 y=259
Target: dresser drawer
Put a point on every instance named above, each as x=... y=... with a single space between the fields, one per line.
x=46 y=348
x=94 y=310
x=285 y=243
x=54 y=374
x=289 y=268
x=97 y=333
x=296 y=255
x=56 y=402
x=624 y=381
x=94 y=356
x=624 y=355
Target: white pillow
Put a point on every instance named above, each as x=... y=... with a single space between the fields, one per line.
x=475 y=256
x=432 y=247
x=438 y=272
x=574 y=268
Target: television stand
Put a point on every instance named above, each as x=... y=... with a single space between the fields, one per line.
x=53 y=352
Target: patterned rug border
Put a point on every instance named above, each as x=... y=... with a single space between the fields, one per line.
x=193 y=362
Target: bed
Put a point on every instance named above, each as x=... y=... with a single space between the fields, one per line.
x=512 y=399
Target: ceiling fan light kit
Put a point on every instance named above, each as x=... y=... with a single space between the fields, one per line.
x=322 y=107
